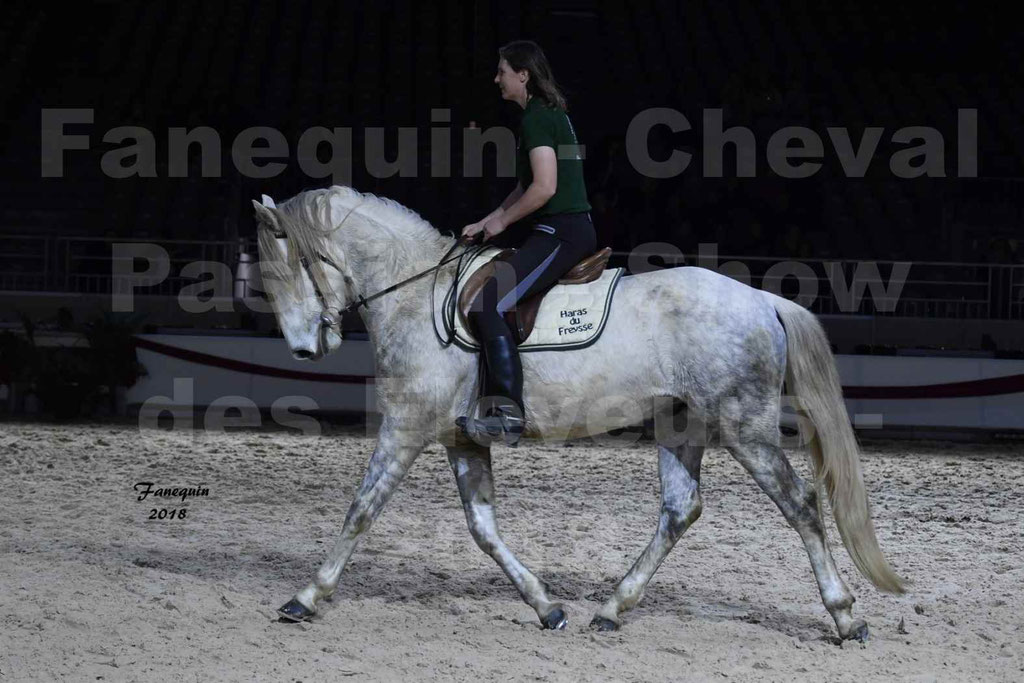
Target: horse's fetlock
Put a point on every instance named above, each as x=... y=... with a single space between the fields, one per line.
x=843 y=603
x=324 y=583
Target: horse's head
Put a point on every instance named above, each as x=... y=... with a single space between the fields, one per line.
x=304 y=278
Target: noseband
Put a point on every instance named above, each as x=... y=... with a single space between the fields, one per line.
x=330 y=317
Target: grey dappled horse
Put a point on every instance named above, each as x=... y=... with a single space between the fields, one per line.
x=686 y=335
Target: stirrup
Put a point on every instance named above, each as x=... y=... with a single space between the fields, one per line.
x=500 y=424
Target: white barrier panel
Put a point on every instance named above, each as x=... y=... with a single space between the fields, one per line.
x=881 y=391
x=259 y=368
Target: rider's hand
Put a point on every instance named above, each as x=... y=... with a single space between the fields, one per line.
x=472 y=229
x=493 y=227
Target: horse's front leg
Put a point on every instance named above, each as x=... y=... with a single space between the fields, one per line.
x=472 y=467
x=396 y=450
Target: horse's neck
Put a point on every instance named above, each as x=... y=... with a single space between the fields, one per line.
x=378 y=264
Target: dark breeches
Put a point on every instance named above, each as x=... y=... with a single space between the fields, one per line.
x=554 y=245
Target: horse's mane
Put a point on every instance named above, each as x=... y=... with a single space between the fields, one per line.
x=400 y=221
x=398 y=233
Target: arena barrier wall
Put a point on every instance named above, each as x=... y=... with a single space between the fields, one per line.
x=881 y=391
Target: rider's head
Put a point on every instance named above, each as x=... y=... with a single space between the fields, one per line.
x=524 y=70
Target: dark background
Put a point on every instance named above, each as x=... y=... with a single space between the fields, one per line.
x=296 y=64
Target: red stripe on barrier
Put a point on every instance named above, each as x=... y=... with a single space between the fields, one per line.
x=249 y=368
x=994 y=386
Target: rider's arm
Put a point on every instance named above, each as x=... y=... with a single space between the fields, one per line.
x=544 y=165
x=513 y=196
x=511 y=199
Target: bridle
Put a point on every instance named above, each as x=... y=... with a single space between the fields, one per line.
x=330 y=316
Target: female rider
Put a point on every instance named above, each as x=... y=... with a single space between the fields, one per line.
x=550 y=198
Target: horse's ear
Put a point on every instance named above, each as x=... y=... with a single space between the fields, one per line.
x=265 y=215
x=269 y=202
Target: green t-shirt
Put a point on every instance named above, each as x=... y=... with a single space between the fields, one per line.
x=544 y=126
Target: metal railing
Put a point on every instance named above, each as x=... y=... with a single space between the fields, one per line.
x=858 y=287
x=86 y=265
x=25 y=262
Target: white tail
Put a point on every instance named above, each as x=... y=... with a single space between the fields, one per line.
x=812 y=378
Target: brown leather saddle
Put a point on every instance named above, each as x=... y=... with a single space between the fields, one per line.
x=521 y=317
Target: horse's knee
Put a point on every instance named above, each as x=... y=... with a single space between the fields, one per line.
x=358 y=519
x=681 y=515
x=485 y=544
x=483 y=532
x=485 y=540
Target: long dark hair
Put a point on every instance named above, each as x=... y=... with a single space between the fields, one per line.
x=526 y=54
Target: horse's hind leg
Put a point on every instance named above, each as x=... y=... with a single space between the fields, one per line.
x=472 y=468
x=679 y=469
x=768 y=465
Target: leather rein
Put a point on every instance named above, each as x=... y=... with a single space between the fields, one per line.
x=330 y=316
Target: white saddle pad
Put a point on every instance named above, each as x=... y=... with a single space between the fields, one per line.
x=570 y=316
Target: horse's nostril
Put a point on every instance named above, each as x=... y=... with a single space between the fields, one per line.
x=302 y=354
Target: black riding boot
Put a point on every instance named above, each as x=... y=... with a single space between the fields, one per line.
x=502 y=400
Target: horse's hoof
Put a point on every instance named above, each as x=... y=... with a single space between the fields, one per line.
x=555 y=620
x=858 y=631
x=294 y=611
x=602 y=624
